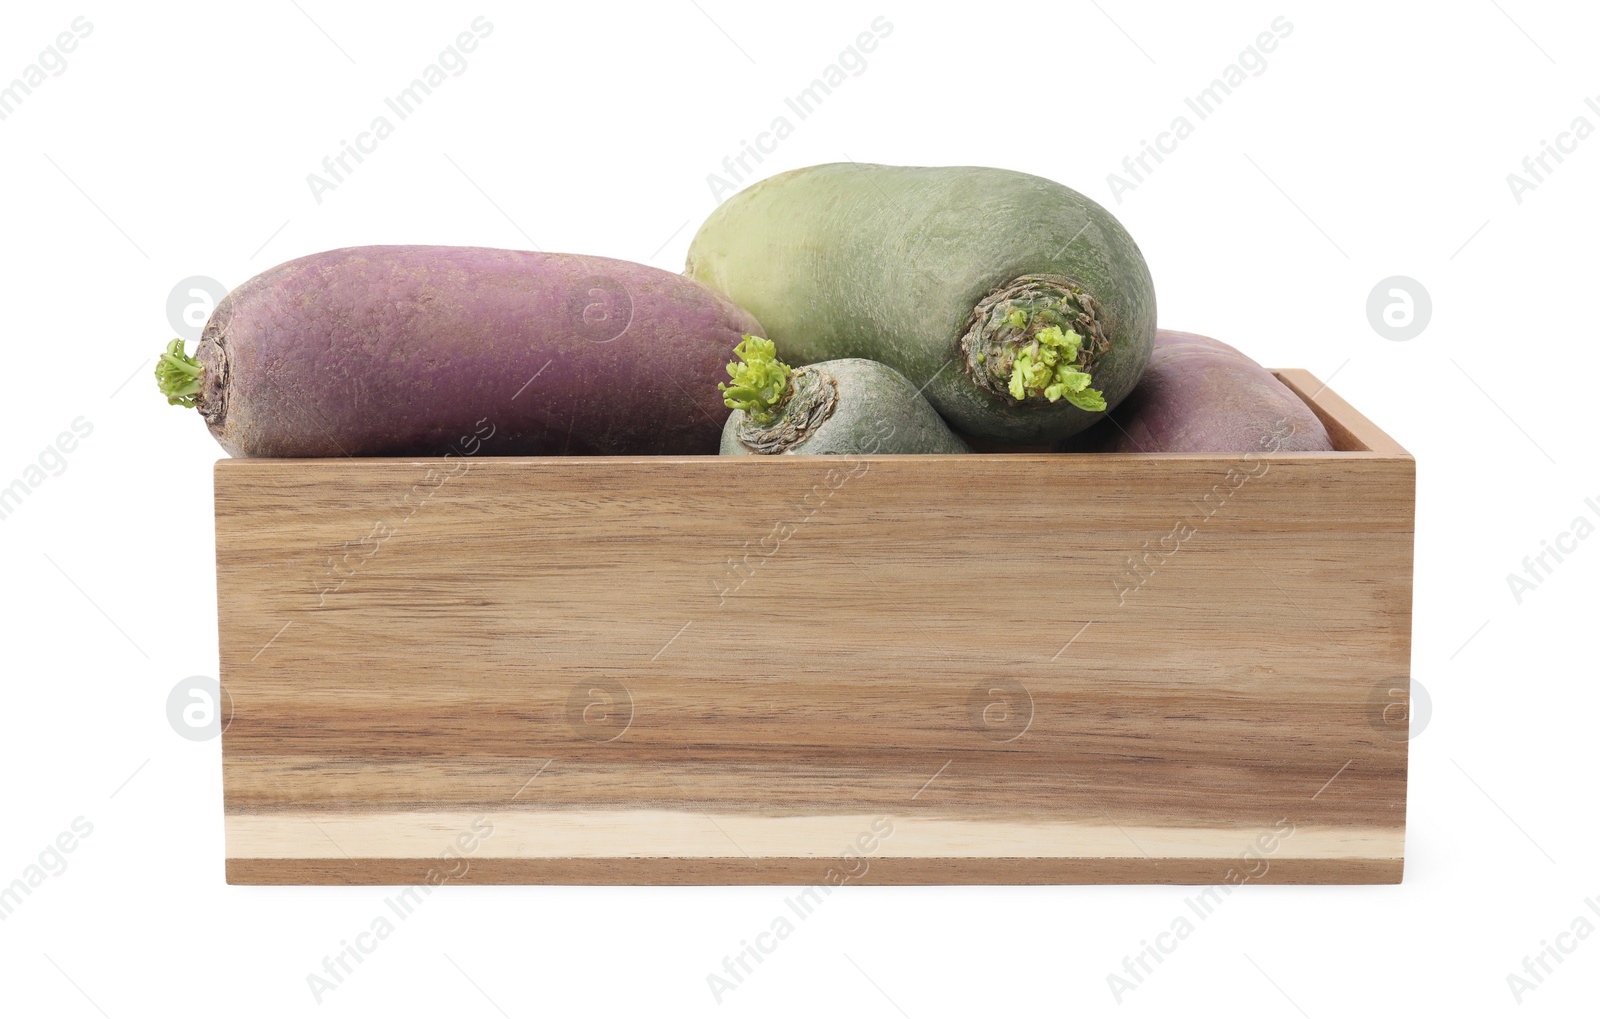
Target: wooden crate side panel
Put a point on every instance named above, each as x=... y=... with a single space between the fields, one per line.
x=434 y=664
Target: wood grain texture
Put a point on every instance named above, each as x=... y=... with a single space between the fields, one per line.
x=970 y=669
x=948 y=870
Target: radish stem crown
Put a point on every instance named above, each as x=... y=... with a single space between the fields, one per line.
x=1038 y=336
x=179 y=375
x=1049 y=366
x=812 y=395
x=760 y=381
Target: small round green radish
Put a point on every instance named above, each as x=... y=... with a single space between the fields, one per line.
x=1023 y=307
x=1200 y=395
x=848 y=406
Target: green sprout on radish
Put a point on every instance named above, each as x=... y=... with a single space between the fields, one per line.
x=1048 y=367
x=760 y=380
x=179 y=375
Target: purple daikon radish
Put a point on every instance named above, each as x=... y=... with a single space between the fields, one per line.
x=419 y=350
x=1199 y=395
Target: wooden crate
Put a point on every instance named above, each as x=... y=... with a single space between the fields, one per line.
x=1023 y=668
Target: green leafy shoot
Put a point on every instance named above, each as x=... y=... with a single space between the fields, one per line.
x=760 y=381
x=179 y=375
x=1048 y=367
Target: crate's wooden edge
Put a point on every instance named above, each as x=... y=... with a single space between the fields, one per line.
x=805 y=871
x=228 y=469
x=1341 y=419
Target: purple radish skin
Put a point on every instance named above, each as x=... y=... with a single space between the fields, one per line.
x=425 y=350
x=1199 y=395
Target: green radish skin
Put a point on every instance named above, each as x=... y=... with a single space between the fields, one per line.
x=848 y=407
x=921 y=268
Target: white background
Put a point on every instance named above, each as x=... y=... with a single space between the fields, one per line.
x=1376 y=142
